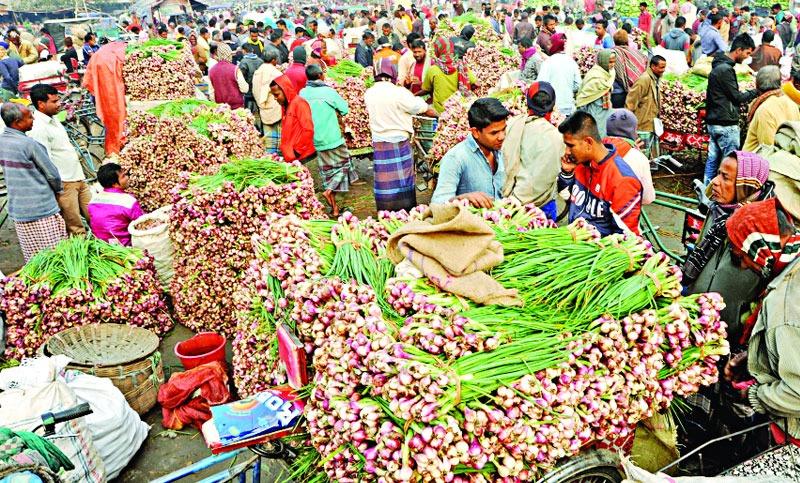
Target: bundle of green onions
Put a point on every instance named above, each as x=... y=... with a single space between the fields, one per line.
x=249 y=172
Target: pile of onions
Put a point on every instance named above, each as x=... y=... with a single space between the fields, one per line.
x=212 y=230
x=357 y=133
x=35 y=309
x=159 y=69
x=585 y=57
x=488 y=64
x=453 y=127
x=192 y=136
x=427 y=390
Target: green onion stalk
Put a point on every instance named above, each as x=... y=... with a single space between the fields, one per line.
x=248 y=172
x=571 y=275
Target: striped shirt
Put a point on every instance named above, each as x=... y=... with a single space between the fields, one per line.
x=32 y=179
x=110 y=213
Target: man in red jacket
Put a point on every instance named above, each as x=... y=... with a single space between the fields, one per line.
x=297 y=128
x=601 y=187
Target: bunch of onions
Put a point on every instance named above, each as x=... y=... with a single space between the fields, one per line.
x=356 y=123
x=104 y=283
x=585 y=57
x=285 y=257
x=453 y=127
x=212 y=222
x=181 y=136
x=680 y=107
x=488 y=64
x=159 y=69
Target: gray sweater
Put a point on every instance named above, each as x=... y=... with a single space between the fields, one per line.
x=32 y=179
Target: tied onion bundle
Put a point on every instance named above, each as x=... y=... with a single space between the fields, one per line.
x=186 y=135
x=159 y=69
x=212 y=222
x=80 y=281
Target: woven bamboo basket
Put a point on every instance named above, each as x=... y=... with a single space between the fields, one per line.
x=125 y=354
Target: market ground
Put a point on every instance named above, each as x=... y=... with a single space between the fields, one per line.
x=163 y=451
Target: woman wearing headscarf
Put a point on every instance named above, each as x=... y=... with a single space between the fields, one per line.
x=630 y=65
x=594 y=96
x=223 y=79
x=764 y=239
x=532 y=151
x=742 y=179
x=561 y=71
x=319 y=55
x=446 y=75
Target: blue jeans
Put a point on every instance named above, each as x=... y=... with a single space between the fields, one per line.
x=724 y=140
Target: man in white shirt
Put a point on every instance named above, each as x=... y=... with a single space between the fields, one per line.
x=391 y=108
x=561 y=71
x=48 y=131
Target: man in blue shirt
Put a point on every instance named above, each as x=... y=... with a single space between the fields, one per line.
x=473 y=169
x=89 y=47
x=604 y=39
x=710 y=40
x=9 y=71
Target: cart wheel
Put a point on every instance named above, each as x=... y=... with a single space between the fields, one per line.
x=595 y=466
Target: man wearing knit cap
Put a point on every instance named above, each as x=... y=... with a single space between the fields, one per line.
x=532 y=151
x=226 y=79
x=621 y=128
x=741 y=180
x=297 y=69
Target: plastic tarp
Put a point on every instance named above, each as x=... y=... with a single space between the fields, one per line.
x=103 y=79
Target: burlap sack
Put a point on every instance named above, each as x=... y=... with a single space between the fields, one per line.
x=453 y=248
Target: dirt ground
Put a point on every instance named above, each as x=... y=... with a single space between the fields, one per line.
x=164 y=452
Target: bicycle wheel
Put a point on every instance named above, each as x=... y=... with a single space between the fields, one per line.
x=595 y=466
x=90 y=162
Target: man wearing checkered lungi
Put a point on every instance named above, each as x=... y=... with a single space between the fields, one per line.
x=32 y=181
x=390 y=109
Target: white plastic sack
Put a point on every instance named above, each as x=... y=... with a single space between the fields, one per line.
x=634 y=474
x=676 y=60
x=21 y=409
x=40 y=70
x=156 y=241
x=117 y=429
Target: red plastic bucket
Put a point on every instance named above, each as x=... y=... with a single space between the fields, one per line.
x=200 y=349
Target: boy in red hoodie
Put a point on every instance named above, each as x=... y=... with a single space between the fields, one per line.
x=297 y=128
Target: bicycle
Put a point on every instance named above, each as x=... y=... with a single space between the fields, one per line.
x=49 y=420
x=85 y=129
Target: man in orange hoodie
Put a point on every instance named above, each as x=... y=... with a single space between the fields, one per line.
x=297 y=127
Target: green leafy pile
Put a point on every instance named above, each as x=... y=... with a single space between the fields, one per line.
x=156 y=47
x=243 y=173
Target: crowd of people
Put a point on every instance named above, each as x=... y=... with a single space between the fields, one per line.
x=597 y=159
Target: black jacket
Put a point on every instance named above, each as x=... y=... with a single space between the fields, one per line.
x=463 y=42
x=723 y=98
x=364 y=54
